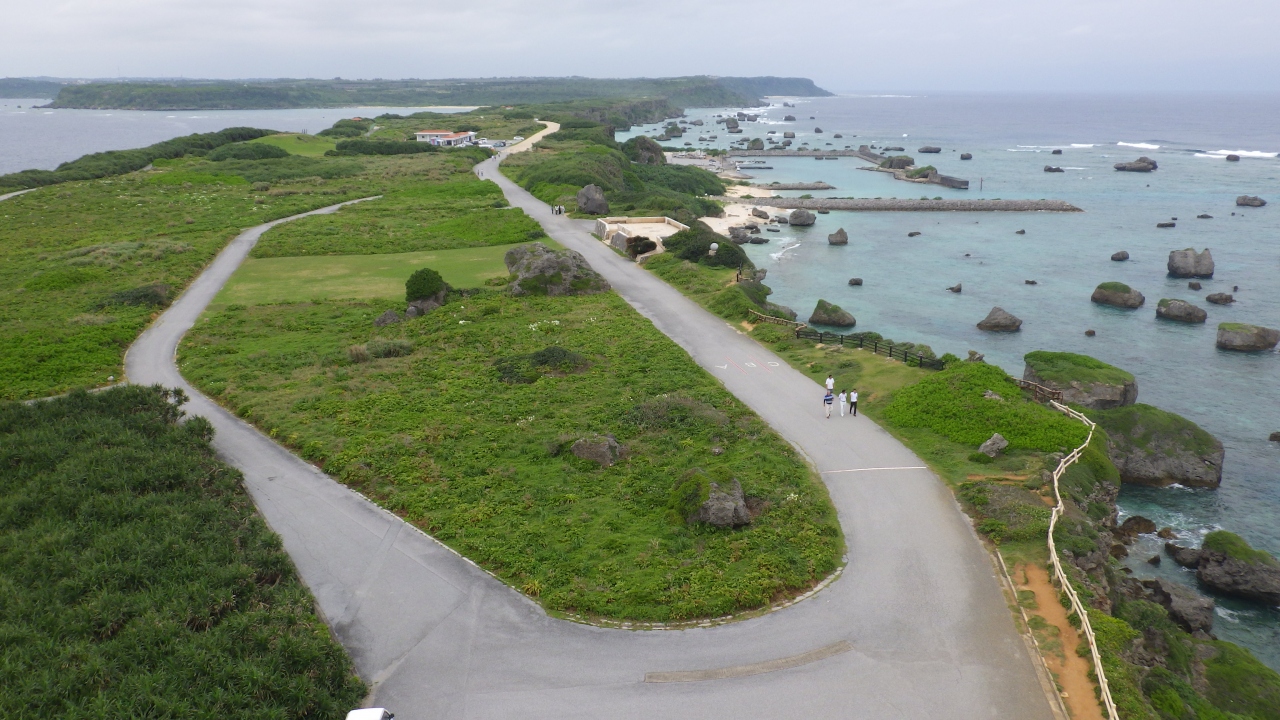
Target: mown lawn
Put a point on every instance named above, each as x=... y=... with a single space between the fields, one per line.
x=138 y=581
x=299 y=143
x=265 y=281
x=484 y=465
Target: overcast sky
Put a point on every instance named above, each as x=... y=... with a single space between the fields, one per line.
x=844 y=45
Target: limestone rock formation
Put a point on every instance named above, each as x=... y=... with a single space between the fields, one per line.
x=994 y=445
x=1233 y=158
x=1250 y=201
x=824 y=313
x=1204 y=216
x=603 y=449
x=930 y=149
x=839 y=237
x=539 y=270
x=724 y=507
x=1120 y=256
x=389 y=317
x=1134 y=526
x=914 y=233
x=1219 y=298
x=1180 y=310
x=1252 y=578
x=1117 y=295
x=1142 y=164
x=788 y=135
x=855 y=281
x=1190 y=264
x=1056 y=151
x=1186 y=607
x=999 y=321
x=1246 y=338
x=418 y=308
x=739 y=235
x=1150 y=446
x=898 y=162
x=966 y=156
x=802 y=217
x=957 y=288
x=591 y=200
x=1083 y=380
x=1053 y=169
x=1166 y=224
x=1193 y=285
x=789 y=118
x=649 y=152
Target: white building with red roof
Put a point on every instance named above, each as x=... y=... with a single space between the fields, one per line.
x=447 y=138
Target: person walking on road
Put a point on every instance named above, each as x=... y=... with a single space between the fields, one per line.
x=853 y=402
x=831 y=383
x=842 y=398
x=827 y=401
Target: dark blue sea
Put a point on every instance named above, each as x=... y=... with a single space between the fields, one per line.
x=1234 y=396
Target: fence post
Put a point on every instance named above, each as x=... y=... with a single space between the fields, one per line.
x=919 y=359
x=875 y=346
x=841 y=341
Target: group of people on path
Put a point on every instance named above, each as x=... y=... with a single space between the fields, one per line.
x=845 y=399
x=557 y=209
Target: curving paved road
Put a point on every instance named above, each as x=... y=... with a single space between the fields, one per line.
x=916 y=627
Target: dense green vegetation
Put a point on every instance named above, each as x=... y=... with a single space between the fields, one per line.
x=119 y=162
x=697 y=91
x=137 y=578
x=1065 y=368
x=423 y=283
x=247 y=151
x=1141 y=424
x=584 y=153
x=74 y=253
x=1236 y=547
x=469 y=439
x=1116 y=287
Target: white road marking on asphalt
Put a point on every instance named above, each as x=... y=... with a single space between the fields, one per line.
x=908 y=467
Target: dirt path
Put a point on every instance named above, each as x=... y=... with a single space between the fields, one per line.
x=1058 y=642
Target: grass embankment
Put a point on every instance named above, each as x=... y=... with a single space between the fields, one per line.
x=299 y=143
x=1064 y=368
x=483 y=464
x=1140 y=425
x=138 y=580
x=1232 y=545
x=90 y=263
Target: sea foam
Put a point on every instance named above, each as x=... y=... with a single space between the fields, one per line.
x=1241 y=153
x=1144 y=146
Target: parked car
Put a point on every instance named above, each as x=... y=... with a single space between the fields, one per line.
x=370 y=714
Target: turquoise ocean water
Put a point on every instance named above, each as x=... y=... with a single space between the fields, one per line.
x=1234 y=396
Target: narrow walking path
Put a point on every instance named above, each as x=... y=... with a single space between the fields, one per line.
x=915 y=627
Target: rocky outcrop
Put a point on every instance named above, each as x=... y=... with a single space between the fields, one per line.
x=387 y=318
x=724 y=507
x=539 y=270
x=1117 y=295
x=1186 y=607
x=1166 y=224
x=1237 y=570
x=1181 y=311
x=1150 y=446
x=1219 y=298
x=957 y=288
x=839 y=237
x=591 y=200
x=739 y=235
x=824 y=313
x=966 y=156
x=1193 y=285
x=994 y=445
x=757 y=212
x=789 y=118
x=1250 y=201
x=855 y=281
x=1120 y=256
x=1083 y=380
x=802 y=217
x=999 y=321
x=1190 y=264
x=649 y=152
x=929 y=149
x=1056 y=151
x=1134 y=526
x=1053 y=169
x=1142 y=164
x=1246 y=338
x=1233 y=158
x=898 y=162
x=603 y=449
x=422 y=306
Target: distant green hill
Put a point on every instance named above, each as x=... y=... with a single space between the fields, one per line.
x=696 y=91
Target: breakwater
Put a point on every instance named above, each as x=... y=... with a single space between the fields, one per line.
x=794 y=186
x=909 y=205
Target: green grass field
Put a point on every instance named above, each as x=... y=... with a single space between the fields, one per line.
x=440 y=438
x=300 y=144
x=265 y=281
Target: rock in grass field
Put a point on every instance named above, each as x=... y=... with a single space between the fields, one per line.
x=1181 y=311
x=994 y=445
x=591 y=200
x=1117 y=294
x=1190 y=264
x=603 y=449
x=1150 y=446
x=825 y=313
x=1226 y=563
x=539 y=270
x=1083 y=380
x=998 y=320
x=1246 y=338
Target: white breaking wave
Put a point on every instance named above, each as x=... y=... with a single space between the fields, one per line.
x=1241 y=153
x=1144 y=146
x=792 y=244
x=1082 y=145
x=1064 y=167
x=1225 y=614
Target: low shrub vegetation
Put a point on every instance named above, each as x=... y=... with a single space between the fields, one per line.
x=138 y=580
x=470 y=440
x=1065 y=368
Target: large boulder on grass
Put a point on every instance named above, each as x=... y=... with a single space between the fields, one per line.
x=994 y=445
x=999 y=320
x=591 y=200
x=1190 y=264
x=602 y=449
x=824 y=313
x=725 y=506
x=539 y=270
x=1083 y=380
x=1246 y=338
x=1117 y=294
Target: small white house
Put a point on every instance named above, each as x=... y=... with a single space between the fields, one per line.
x=445 y=138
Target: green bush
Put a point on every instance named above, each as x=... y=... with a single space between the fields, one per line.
x=1117 y=287
x=695 y=243
x=422 y=284
x=921 y=171
x=688 y=495
x=383 y=348
x=528 y=368
x=155 y=295
x=383 y=147
x=951 y=403
x=347 y=128
x=981 y=458
x=139 y=579
x=246 y=151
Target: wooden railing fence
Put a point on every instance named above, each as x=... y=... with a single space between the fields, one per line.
x=880 y=347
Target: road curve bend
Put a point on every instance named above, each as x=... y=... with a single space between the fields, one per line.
x=916 y=627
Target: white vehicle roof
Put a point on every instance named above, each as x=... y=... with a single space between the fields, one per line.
x=369 y=714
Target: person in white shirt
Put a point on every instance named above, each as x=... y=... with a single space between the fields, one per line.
x=831 y=384
x=842 y=398
x=853 y=402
